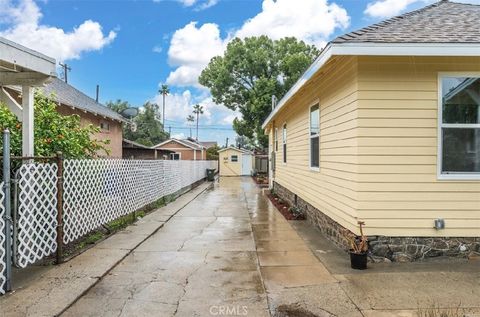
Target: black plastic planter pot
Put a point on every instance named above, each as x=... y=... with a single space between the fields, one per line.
x=358 y=261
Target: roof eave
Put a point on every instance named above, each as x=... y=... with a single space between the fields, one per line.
x=374 y=49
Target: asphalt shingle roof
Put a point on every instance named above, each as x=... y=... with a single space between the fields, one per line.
x=70 y=96
x=442 y=22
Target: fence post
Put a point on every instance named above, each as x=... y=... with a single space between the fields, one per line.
x=8 y=212
x=59 y=207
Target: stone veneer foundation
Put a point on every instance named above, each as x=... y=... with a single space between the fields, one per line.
x=382 y=248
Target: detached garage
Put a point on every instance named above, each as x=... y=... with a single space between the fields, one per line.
x=235 y=162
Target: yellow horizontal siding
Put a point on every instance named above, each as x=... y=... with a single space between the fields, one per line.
x=333 y=189
x=378 y=147
x=398 y=190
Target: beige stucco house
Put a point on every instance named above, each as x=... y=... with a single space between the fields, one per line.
x=183 y=149
x=384 y=127
x=235 y=162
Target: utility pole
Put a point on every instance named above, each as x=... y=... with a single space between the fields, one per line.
x=66 y=69
x=226 y=143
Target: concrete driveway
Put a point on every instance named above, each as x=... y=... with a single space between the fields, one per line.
x=230 y=253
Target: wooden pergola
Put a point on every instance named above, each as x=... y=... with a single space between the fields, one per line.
x=21 y=66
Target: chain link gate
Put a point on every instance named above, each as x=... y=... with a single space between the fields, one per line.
x=5 y=220
x=3 y=278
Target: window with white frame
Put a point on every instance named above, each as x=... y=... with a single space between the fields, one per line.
x=275 y=137
x=459 y=130
x=315 y=136
x=234 y=158
x=284 y=139
x=175 y=156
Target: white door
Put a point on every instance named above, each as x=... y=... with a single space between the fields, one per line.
x=246 y=164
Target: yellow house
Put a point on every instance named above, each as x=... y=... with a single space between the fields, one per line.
x=235 y=162
x=384 y=128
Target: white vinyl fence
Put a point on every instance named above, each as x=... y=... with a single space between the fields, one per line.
x=95 y=192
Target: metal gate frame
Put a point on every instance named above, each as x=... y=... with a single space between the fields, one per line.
x=6 y=222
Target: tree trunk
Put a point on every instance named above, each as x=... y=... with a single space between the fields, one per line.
x=163 y=113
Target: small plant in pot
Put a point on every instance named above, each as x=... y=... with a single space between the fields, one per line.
x=358 y=249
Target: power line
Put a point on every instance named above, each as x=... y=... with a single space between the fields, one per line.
x=200 y=125
x=203 y=128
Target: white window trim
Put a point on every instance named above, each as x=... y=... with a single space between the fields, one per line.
x=314 y=169
x=284 y=142
x=179 y=156
x=231 y=161
x=450 y=176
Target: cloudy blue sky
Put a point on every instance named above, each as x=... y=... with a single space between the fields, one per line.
x=130 y=47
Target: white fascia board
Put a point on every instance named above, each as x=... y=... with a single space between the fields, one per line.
x=18 y=55
x=375 y=49
x=408 y=49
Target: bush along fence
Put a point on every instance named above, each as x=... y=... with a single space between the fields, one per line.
x=58 y=201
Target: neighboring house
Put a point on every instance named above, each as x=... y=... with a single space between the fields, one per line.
x=235 y=162
x=183 y=149
x=209 y=144
x=384 y=128
x=72 y=101
x=134 y=150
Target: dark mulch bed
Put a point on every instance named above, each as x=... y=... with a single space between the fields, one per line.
x=284 y=208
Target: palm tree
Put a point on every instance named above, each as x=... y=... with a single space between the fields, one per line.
x=190 y=119
x=164 y=91
x=198 y=110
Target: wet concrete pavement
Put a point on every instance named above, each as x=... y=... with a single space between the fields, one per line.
x=230 y=253
x=203 y=262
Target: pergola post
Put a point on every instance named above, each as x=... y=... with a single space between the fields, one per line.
x=27 y=121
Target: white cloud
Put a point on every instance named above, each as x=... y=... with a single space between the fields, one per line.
x=157 y=49
x=387 y=8
x=310 y=20
x=187 y=3
x=207 y=4
x=390 y=8
x=192 y=47
x=179 y=105
x=23 y=26
x=200 y=4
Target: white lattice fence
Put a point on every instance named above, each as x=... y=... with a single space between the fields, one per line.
x=95 y=192
x=2 y=241
x=37 y=213
x=99 y=191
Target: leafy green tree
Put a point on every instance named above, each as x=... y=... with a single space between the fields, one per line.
x=118 y=105
x=149 y=130
x=53 y=132
x=212 y=152
x=250 y=72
